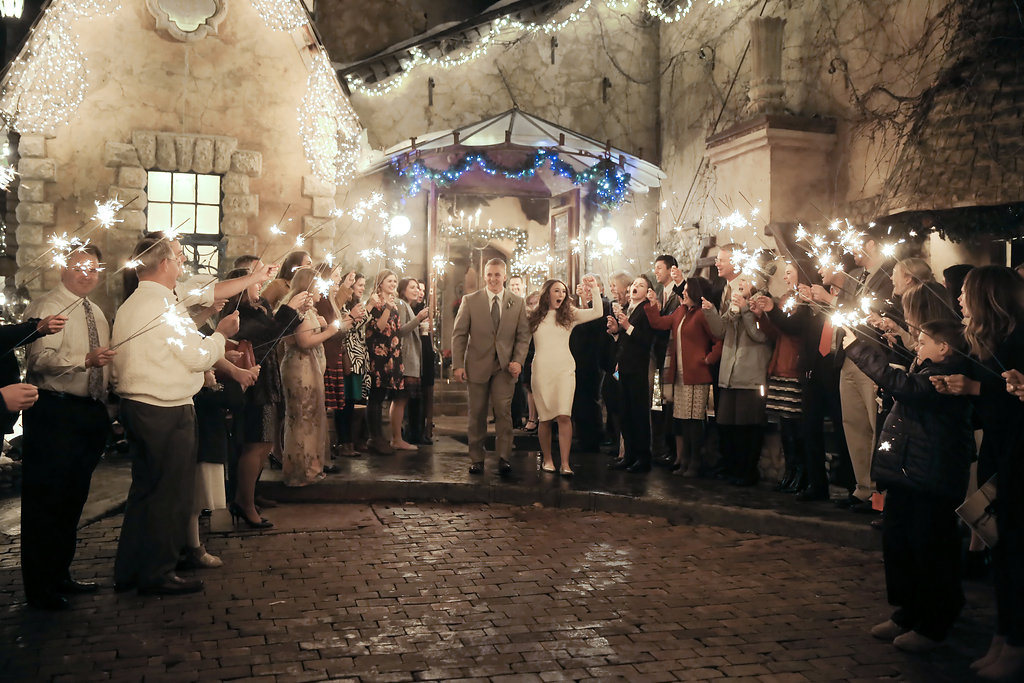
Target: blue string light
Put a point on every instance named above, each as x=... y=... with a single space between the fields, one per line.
x=610 y=183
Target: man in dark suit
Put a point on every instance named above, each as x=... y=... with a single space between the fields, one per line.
x=633 y=337
x=666 y=274
x=589 y=344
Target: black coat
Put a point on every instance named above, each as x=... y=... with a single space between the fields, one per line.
x=11 y=337
x=590 y=345
x=927 y=441
x=633 y=351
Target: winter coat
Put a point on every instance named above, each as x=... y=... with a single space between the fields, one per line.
x=745 y=348
x=700 y=348
x=927 y=441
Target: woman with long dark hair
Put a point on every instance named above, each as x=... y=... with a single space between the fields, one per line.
x=411 y=349
x=264 y=400
x=554 y=370
x=992 y=301
x=692 y=351
x=277 y=289
x=345 y=422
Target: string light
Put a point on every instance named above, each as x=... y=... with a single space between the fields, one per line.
x=611 y=183
x=281 y=15
x=328 y=126
x=48 y=80
x=503 y=25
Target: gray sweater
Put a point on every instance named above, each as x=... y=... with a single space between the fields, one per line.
x=409 y=336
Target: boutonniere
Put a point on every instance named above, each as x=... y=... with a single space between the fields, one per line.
x=508 y=304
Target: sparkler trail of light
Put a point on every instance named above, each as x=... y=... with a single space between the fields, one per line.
x=81 y=225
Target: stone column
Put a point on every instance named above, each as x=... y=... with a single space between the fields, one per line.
x=767 y=92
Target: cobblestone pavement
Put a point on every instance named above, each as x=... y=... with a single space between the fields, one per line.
x=484 y=593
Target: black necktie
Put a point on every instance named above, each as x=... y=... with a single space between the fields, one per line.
x=495 y=312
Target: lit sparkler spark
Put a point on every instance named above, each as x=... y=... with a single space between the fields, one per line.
x=371 y=254
x=322 y=286
x=329 y=259
x=134 y=263
x=299 y=241
x=106 y=213
x=7 y=176
x=885 y=446
x=274 y=230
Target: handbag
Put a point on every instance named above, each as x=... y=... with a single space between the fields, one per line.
x=979 y=513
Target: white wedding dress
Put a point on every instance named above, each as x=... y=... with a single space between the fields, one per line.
x=553 y=378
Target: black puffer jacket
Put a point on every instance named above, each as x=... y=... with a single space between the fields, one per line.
x=927 y=441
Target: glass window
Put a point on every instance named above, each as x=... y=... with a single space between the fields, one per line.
x=190 y=204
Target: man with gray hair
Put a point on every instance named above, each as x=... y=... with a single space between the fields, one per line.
x=160 y=364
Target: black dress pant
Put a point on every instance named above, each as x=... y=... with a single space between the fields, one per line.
x=588 y=424
x=159 y=505
x=921 y=549
x=1008 y=554
x=820 y=399
x=636 y=417
x=63 y=442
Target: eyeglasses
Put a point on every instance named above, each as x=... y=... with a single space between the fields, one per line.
x=87 y=270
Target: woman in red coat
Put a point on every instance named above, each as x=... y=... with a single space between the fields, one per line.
x=692 y=351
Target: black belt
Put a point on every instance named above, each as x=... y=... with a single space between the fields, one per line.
x=69 y=397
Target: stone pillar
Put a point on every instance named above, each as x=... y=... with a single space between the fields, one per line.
x=767 y=92
x=321 y=193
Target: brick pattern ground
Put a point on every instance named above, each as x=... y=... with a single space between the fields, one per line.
x=482 y=593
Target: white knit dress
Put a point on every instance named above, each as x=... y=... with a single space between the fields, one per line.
x=554 y=370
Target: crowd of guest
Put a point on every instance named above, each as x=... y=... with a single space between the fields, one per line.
x=229 y=375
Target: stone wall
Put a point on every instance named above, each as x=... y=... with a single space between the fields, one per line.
x=835 y=56
x=244 y=83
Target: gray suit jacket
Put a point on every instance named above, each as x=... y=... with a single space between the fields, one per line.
x=475 y=341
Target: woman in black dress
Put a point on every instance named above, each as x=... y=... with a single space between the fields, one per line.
x=263 y=401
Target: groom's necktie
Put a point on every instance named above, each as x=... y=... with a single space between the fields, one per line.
x=495 y=312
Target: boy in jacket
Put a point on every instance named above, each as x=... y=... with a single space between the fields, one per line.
x=922 y=462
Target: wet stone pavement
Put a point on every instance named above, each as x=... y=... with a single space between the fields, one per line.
x=393 y=592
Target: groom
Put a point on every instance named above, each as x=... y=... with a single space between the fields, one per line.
x=489 y=346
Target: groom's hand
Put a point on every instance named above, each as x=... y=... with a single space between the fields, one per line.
x=514 y=369
x=460 y=374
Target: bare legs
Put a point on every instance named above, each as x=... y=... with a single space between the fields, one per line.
x=396 y=413
x=250 y=465
x=564 y=443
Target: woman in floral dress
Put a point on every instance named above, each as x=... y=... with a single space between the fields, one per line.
x=302 y=373
x=384 y=356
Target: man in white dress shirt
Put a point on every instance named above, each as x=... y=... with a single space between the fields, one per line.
x=160 y=364
x=65 y=431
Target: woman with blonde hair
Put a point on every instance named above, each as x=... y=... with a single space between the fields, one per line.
x=302 y=373
x=908 y=273
x=384 y=355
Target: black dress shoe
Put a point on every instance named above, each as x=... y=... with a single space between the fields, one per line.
x=331 y=469
x=621 y=464
x=811 y=494
x=638 y=467
x=504 y=467
x=477 y=468
x=72 y=587
x=50 y=602
x=426 y=441
x=174 y=585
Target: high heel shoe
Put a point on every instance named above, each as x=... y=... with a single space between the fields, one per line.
x=238 y=514
x=275 y=462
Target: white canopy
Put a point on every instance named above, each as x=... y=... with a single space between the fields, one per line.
x=520 y=129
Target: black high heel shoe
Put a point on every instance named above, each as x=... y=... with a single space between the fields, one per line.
x=238 y=514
